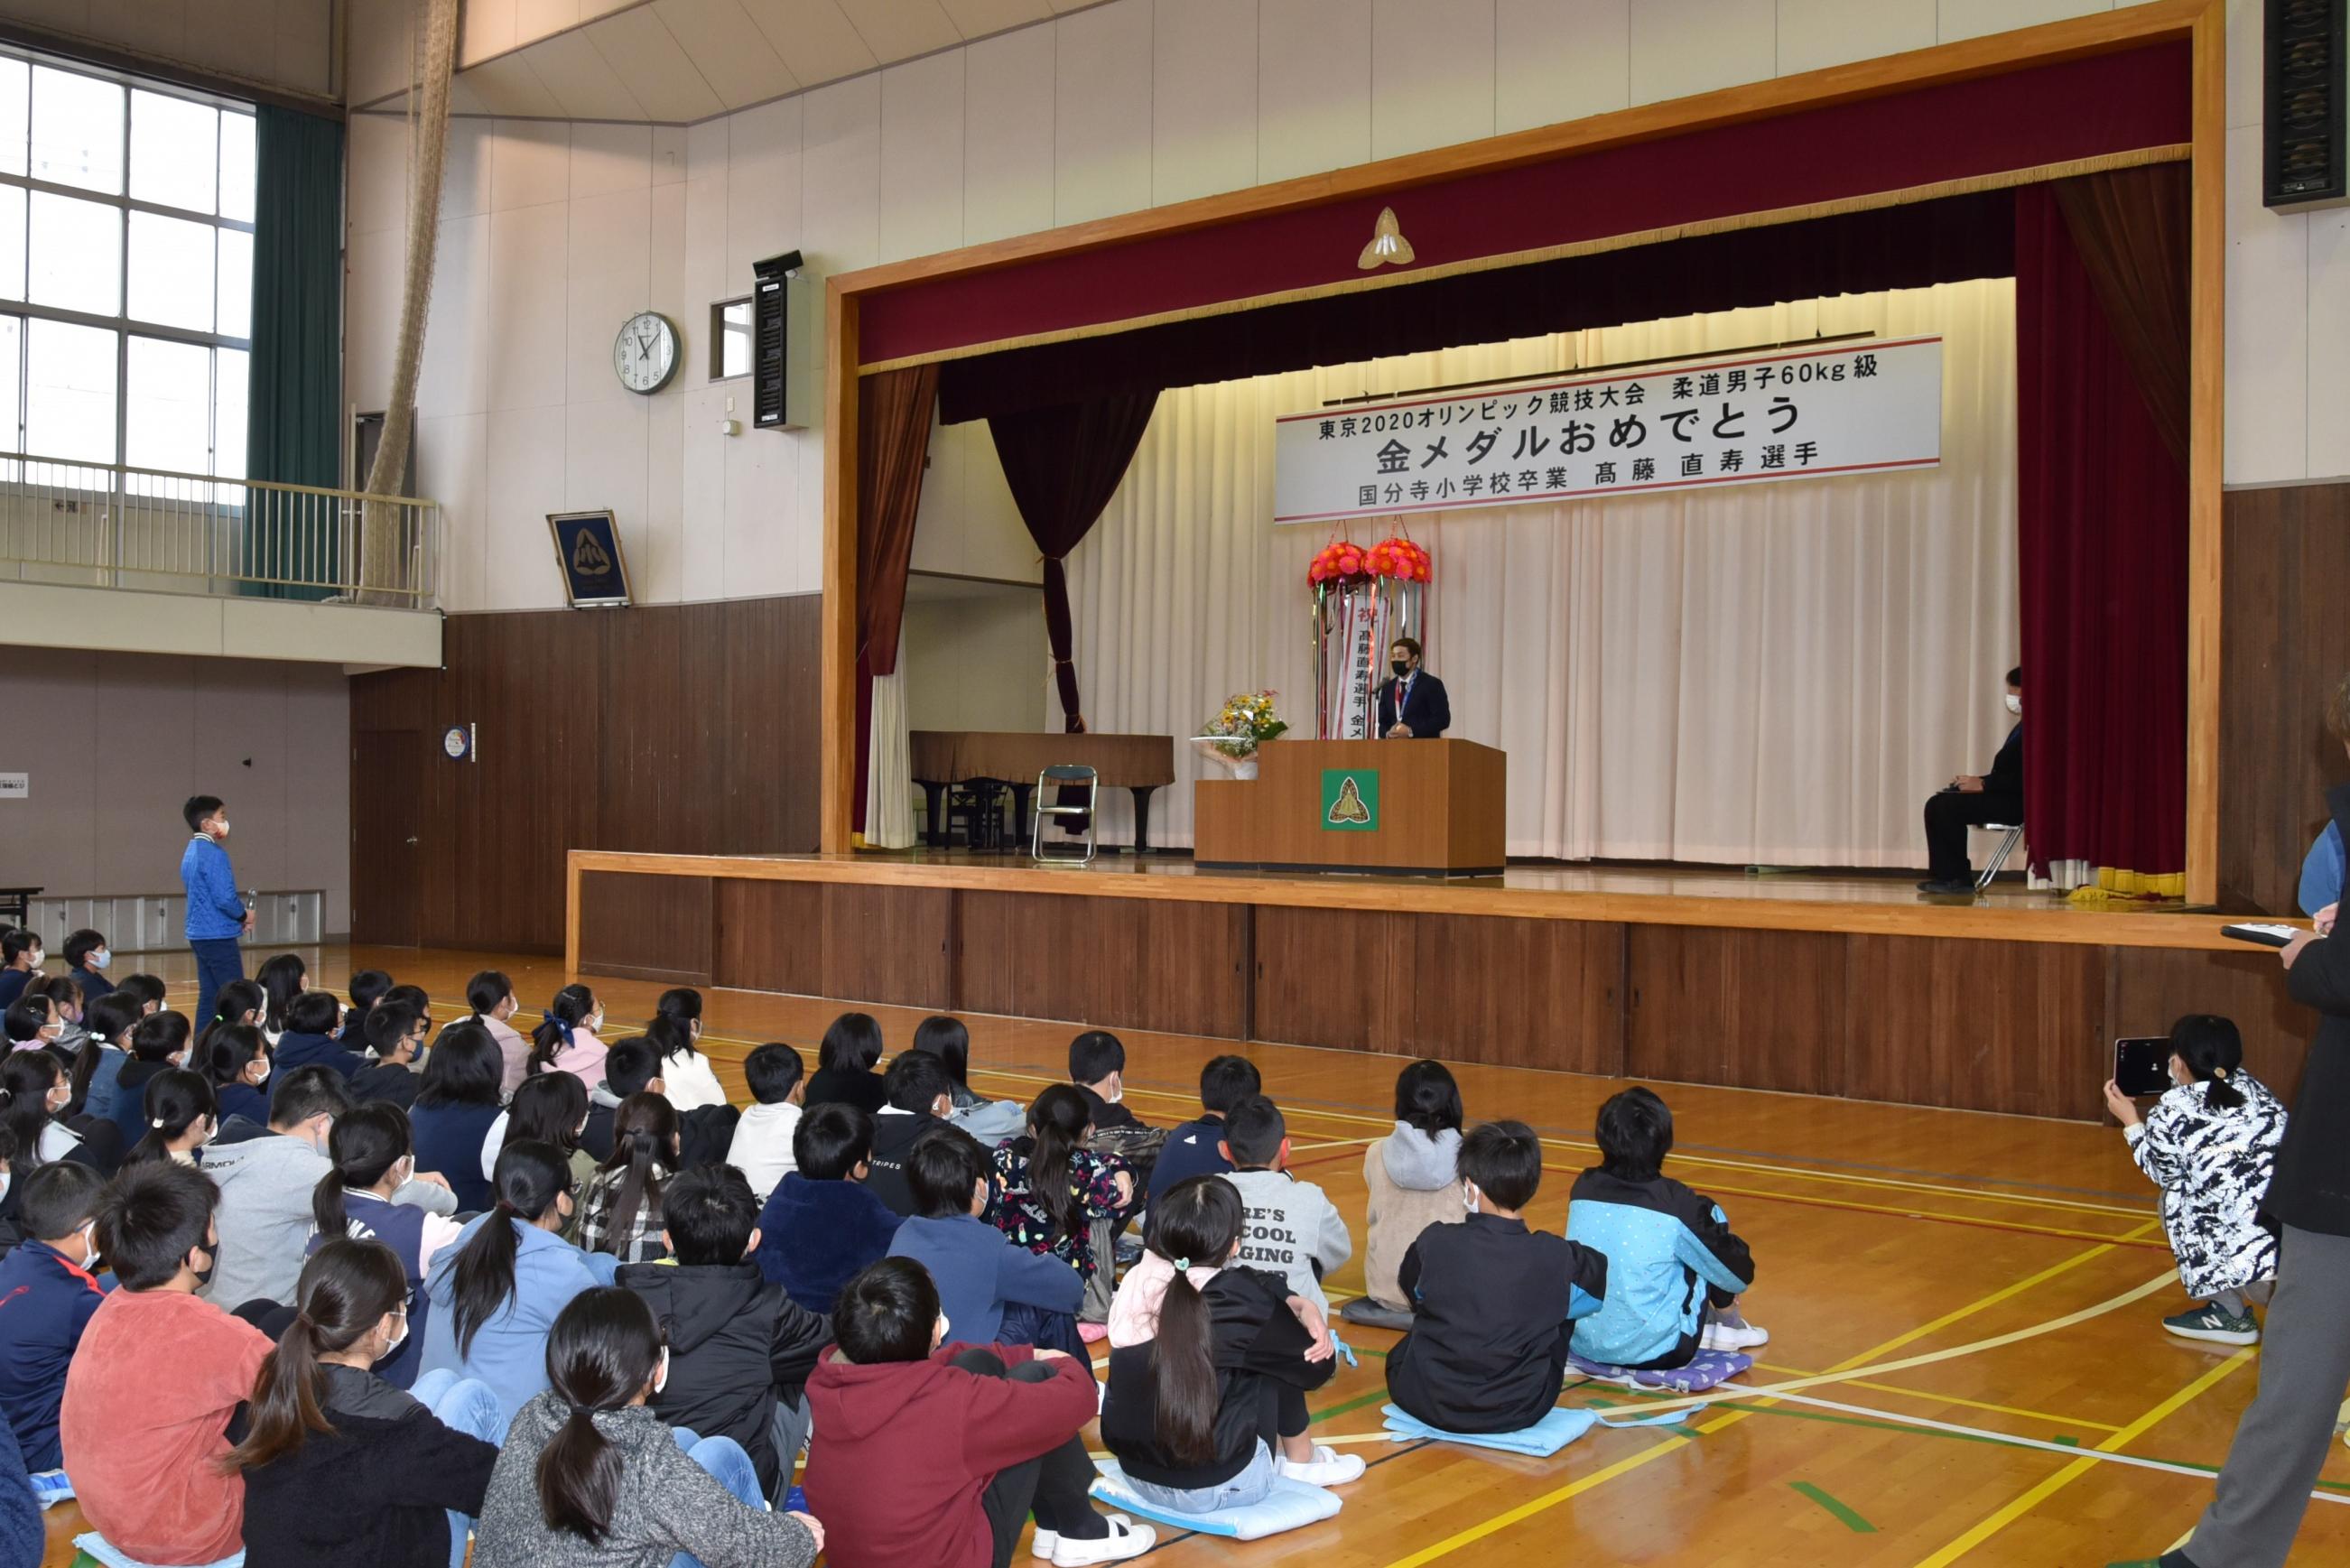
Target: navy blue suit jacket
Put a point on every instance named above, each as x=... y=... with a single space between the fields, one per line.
x=1425 y=709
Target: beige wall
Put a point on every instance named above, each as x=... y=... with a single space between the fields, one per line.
x=975 y=661
x=115 y=743
x=284 y=44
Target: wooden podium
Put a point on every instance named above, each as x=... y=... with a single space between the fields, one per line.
x=1400 y=808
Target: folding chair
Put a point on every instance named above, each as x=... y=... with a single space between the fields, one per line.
x=2014 y=832
x=1070 y=775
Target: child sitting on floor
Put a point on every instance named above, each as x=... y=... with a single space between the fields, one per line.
x=1293 y=1230
x=1209 y=1365
x=48 y=1295
x=762 y=1147
x=934 y=1454
x=1413 y=1185
x=995 y=1292
x=1197 y=1147
x=1493 y=1300
x=820 y=1226
x=1662 y=1243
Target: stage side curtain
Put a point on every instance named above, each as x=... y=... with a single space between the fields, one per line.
x=893 y=435
x=2102 y=538
x=294 y=395
x=2129 y=227
x=1773 y=674
x=1062 y=463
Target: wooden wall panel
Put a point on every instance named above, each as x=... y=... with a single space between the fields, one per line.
x=2285 y=645
x=1113 y=964
x=1515 y=993
x=768 y=936
x=646 y=927
x=1762 y=1009
x=1986 y=1026
x=890 y=945
x=689 y=728
x=2149 y=989
x=1322 y=977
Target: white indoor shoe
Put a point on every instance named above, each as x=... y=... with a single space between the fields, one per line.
x=1126 y=1538
x=1734 y=1336
x=1328 y=1468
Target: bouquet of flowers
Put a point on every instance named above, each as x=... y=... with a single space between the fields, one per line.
x=1341 y=561
x=1246 y=723
x=1399 y=558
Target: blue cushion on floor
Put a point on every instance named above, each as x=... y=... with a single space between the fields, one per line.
x=1289 y=1506
x=1543 y=1438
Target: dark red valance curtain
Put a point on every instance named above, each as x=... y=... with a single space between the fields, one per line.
x=1062 y=463
x=893 y=439
x=2102 y=544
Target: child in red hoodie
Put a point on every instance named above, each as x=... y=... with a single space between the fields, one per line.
x=972 y=1439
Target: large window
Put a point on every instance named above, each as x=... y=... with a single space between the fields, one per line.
x=126 y=272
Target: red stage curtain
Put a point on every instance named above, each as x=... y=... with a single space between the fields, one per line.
x=1909 y=247
x=2130 y=227
x=893 y=435
x=1062 y=464
x=2102 y=543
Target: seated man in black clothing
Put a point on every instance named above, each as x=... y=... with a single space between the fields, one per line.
x=1969 y=801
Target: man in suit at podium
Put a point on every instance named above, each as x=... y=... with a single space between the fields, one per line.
x=1411 y=703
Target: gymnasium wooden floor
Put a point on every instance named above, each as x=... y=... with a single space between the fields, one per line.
x=1964 y=1312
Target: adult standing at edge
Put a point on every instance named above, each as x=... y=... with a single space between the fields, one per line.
x=216 y=913
x=2281 y=1443
x=1412 y=705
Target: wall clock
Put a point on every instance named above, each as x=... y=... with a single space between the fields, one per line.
x=644 y=355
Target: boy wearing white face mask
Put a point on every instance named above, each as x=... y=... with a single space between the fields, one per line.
x=1493 y=1303
x=47 y=1294
x=20 y=960
x=87 y=959
x=216 y=913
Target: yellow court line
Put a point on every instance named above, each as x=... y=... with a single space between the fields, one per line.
x=1863 y=1362
x=1334 y=1143
x=2053 y=1484
x=1926 y=1394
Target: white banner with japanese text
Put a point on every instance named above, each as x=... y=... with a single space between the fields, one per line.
x=1861 y=408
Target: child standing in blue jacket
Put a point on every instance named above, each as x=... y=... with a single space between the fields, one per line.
x=1675 y=1269
x=216 y=913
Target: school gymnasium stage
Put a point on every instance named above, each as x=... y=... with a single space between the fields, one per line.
x=1846 y=986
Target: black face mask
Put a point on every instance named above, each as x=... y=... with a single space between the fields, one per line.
x=1402 y=666
x=204 y=1274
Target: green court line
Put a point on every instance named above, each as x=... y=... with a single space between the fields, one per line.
x=1850 y=1519
x=1371 y=1398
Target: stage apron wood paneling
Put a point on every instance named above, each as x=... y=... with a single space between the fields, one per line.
x=1893 y=1006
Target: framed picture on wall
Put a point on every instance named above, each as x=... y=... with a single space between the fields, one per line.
x=587 y=554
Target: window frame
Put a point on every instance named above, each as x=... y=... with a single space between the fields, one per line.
x=122 y=323
x=718 y=309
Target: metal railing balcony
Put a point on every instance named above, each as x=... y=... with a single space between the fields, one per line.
x=100 y=525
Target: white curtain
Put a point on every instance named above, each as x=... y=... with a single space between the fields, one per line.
x=888 y=764
x=1770 y=674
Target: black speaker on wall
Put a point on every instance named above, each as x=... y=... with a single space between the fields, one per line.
x=2303 y=83
x=771 y=339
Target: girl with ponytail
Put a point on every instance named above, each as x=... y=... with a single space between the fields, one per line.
x=495 y=1292
x=183 y=1116
x=1211 y=1363
x=621 y=1213
x=235 y=1059
x=1054 y=1187
x=34 y=1092
x=674 y=1033
x=2210 y=1143
x=565 y=1040
x=373 y=1155
x=589 y=1475
x=338 y=1467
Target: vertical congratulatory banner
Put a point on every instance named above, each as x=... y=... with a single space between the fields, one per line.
x=1866 y=408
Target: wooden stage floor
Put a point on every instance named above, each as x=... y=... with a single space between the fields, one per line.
x=1964 y=1312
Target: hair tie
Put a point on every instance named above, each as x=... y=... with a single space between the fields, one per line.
x=547 y=1015
x=157 y=1123
x=1182 y=1265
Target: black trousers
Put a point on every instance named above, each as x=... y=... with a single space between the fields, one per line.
x=1052 y=1486
x=1948 y=817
